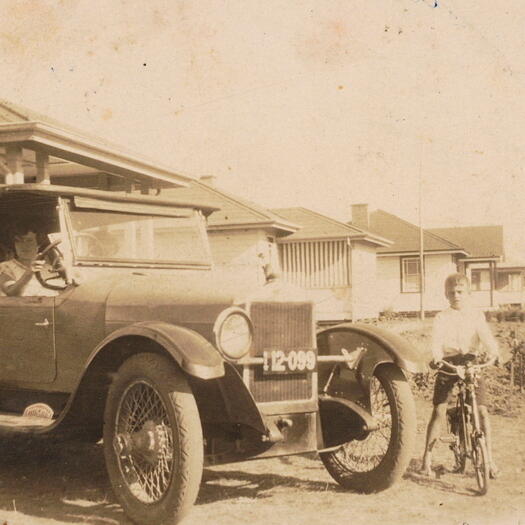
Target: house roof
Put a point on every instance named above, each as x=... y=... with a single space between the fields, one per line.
x=405 y=235
x=314 y=226
x=73 y=152
x=12 y=113
x=511 y=265
x=479 y=241
x=234 y=212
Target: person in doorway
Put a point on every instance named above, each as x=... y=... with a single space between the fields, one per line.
x=458 y=332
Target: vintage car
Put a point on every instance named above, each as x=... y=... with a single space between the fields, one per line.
x=132 y=337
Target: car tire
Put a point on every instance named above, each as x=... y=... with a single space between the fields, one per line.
x=153 y=442
x=346 y=464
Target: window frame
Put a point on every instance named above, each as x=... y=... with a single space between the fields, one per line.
x=69 y=207
x=403 y=283
x=472 y=284
x=517 y=278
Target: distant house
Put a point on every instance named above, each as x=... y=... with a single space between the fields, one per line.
x=335 y=261
x=243 y=235
x=398 y=265
x=485 y=248
x=510 y=283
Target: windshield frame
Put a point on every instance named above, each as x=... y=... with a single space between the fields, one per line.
x=204 y=264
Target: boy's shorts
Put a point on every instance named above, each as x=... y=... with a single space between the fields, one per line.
x=444 y=384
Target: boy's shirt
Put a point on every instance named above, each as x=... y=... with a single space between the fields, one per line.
x=459 y=332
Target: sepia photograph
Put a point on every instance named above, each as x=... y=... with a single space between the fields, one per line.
x=262 y=262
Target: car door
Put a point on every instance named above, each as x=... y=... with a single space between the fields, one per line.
x=27 y=350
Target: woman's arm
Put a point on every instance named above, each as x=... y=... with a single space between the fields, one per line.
x=12 y=287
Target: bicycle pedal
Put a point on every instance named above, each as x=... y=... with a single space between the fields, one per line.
x=448 y=439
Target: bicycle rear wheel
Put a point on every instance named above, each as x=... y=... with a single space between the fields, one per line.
x=481 y=464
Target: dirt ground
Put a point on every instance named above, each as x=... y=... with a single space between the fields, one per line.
x=69 y=485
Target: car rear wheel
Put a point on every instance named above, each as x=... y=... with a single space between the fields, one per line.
x=153 y=440
x=374 y=463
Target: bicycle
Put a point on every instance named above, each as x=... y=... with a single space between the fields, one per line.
x=463 y=420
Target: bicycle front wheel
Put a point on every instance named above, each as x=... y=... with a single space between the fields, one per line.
x=481 y=463
x=458 y=427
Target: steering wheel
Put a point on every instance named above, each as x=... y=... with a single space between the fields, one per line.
x=56 y=267
x=98 y=247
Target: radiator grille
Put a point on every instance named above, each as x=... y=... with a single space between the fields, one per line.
x=283 y=326
x=286 y=326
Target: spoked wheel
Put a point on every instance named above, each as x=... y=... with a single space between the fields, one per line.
x=377 y=461
x=481 y=464
x=153 y=440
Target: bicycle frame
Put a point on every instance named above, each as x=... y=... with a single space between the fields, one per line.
x=466 y=425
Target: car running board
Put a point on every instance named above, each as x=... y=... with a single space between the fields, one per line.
x=14 y=423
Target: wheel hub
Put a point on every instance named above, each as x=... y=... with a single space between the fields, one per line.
x=146 y=444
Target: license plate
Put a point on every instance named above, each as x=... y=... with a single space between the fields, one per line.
x=293 y=361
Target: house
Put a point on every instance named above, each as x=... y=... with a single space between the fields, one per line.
x=510 y=283
x=484 y=245
x=37 y=148
x=243 y=235
x=398 y=265
x=334 y=261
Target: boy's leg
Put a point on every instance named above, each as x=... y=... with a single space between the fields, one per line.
x=442 y=388
x=433 y=432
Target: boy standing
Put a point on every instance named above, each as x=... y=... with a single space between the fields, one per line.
x=459 y=330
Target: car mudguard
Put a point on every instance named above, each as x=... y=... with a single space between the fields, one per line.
x=200 y=359
x=343 y=420
x=381 y=346
x=367 y=346
x=193 y=353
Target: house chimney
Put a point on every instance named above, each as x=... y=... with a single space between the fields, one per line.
x=210 y=180
x=360 y=216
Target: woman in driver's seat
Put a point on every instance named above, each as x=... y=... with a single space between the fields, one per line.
x=17 y=275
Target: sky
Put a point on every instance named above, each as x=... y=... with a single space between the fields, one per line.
x=303 y=103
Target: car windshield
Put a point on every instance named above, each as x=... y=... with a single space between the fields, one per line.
x=124 y=237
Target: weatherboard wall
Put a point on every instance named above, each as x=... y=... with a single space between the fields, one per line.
x=389 y=286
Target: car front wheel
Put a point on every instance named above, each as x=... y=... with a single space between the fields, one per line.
x=153 y=440
x=376 y=461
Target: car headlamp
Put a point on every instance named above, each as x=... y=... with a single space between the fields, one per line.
x=233 y=333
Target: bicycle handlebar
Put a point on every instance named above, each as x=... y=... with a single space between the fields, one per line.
x=459 y=370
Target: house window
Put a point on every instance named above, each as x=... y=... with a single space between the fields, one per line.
x=510 y=281
x=410 y=274
x=480 y=279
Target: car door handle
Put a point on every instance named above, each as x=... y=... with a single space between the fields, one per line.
x=44 y=323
